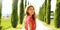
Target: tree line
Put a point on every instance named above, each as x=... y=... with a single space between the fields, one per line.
x=14 y=15
x=45 y=13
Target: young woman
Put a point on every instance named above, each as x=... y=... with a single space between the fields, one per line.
x=30 y=20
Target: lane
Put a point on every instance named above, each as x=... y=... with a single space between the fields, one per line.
x=39 y=26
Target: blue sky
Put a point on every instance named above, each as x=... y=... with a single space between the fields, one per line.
x=7 y=6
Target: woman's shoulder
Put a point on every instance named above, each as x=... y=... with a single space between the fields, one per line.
x=28 y=17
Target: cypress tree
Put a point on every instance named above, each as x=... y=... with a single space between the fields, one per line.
x=45 y=10
x=42 y=12
x=0 y=13
x=48 y=12
x=14 y=17
x=57 y=14
x=25 y=3
x=21 y=11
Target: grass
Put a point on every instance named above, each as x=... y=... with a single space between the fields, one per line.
x=51 y=25
x=6 y=24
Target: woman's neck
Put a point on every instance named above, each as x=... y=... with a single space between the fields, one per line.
x=30 y=15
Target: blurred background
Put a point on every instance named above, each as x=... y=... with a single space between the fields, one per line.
x=12 y=13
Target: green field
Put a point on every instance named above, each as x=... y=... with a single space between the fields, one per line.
x=6 y=24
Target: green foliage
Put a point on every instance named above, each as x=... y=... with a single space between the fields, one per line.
x=21 y=11
x=52 y=13
x=0 y=10
x=45 y=10
x=48 y=12
x=0 y=13
x=25 y=3
x=57 y=14
x=42 y=12
x=14 y=17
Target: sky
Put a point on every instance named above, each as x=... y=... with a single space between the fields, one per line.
x=7 y=6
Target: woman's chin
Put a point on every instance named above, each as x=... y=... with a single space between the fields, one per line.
x=32 y=13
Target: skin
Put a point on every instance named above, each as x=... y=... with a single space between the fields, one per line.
x=31 y=11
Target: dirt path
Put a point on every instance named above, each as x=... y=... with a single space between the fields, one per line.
x=40 y=26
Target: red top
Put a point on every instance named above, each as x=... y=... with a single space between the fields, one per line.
x=31 y=22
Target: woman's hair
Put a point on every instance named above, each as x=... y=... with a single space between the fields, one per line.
x=33 y=16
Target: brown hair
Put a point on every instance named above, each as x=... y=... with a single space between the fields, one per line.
x=33 y=16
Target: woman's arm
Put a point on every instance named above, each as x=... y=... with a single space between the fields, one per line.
x=26 y=26
x=35 y=24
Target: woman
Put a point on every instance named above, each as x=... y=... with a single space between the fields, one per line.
x=30 y=20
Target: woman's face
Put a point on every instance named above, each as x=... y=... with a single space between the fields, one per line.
x=31 y=10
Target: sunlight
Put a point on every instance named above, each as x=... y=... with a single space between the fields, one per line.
x=53 y=5
x=6 y=7
x=37 y=4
